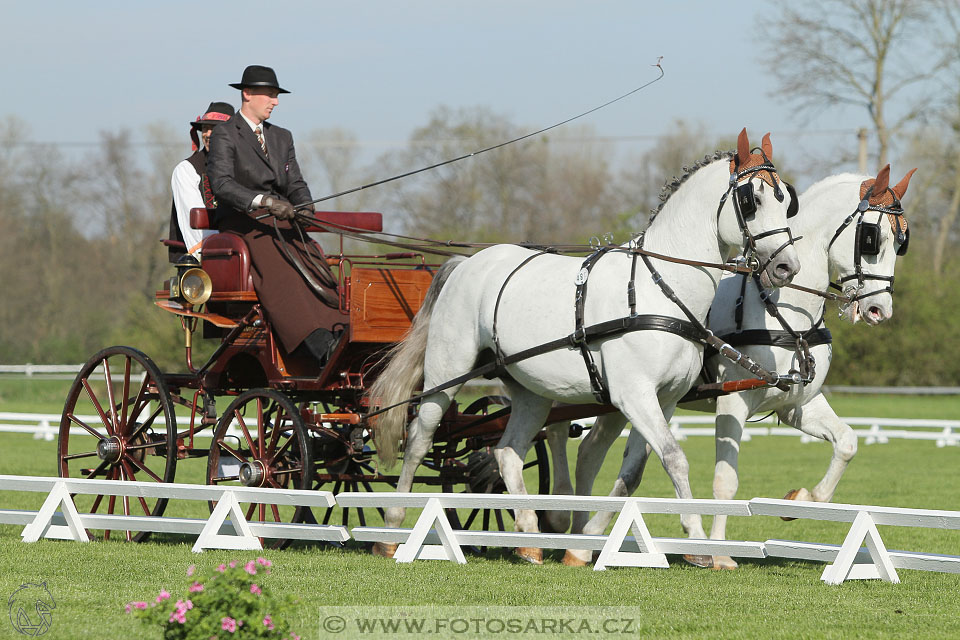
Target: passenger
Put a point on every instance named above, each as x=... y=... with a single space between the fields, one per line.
x=190 y=184
x=253 y=170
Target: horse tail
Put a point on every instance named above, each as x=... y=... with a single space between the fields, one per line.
x=403 y=373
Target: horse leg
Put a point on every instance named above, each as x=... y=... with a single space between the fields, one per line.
x=418 y=442
x=590 y=455
x=818 y=419
x=557 y=436
x=732 y=412
x=527 y=415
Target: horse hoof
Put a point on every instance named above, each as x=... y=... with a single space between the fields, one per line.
x=571 y=560
x=705 y=562
x=533 y=555
x=724 y=563
x=801 y=495
x=384 y=549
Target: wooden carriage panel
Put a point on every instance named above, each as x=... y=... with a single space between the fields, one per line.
x=384 y=301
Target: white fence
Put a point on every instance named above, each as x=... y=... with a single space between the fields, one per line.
x=873 y=430
x=432 y=537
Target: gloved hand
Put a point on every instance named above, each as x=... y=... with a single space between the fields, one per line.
x=278 y=208
x=306 y=208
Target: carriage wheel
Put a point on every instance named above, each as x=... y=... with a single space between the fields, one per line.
x=131 y=436
x=353 y=470
x=266 y=447
x=485 y=476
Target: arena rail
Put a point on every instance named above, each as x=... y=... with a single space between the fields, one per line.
x=432 y=536
x=70 y=524
x=943 y=433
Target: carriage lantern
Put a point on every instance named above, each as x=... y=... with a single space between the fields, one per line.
x=191 y=285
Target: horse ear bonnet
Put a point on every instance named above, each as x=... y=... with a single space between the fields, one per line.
x=794 y=207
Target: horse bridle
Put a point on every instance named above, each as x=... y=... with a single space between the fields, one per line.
x=867 y=243
x=745 y=207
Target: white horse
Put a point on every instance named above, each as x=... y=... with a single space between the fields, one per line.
x=844 y=230
x=507 y=299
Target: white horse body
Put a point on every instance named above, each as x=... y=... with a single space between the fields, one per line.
x=646 y=372
x=823 y=207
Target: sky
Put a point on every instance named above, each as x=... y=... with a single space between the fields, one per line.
x=378 y=69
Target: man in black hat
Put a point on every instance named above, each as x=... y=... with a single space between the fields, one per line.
x=191 y=185
x=254 y=172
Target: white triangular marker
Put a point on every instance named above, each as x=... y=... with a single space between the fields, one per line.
x=42 y=525
x=630 y=519
x=414 y=548
x=211 y=538
x=845 y=567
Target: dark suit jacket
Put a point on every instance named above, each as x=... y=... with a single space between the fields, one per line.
x=238 y=171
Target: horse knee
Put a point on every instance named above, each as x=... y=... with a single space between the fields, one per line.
x=725 y=482
x=846 y=447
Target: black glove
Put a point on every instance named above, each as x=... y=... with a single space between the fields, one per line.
x=278 y=208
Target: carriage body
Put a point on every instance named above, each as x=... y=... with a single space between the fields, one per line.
x=288 y=423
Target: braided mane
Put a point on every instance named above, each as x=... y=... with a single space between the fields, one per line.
x=671 y=186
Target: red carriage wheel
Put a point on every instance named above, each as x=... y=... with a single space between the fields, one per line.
x=261 y=441
x=484 y=475
x=130 y=437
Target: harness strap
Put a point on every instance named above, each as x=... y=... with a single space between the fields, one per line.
x=498 y=355
x=772 y=338
x=579 y=334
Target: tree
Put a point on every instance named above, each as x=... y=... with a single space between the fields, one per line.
x=873 y=54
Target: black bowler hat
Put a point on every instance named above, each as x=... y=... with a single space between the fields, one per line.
x=216 y=113
x=257 y=76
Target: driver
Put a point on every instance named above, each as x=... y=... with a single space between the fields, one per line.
x=254 y=172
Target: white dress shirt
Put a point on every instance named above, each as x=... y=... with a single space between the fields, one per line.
x=185 y=184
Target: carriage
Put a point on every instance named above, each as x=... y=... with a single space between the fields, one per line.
x=287 y=424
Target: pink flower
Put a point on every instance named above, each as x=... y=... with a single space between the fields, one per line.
x=139 y=605
x=263 y=562
x=255 y=589
x=233 y=563
x=127 y=608
x=268 y=622
x=250 y=568
x=228 y=624
x=164 y=595
x=191 y=569
x=196 y=587
x=178 y=616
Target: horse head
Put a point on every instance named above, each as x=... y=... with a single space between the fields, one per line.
x=864 y=248
x=755 y=217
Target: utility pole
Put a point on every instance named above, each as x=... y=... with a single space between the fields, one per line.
x=862 y=156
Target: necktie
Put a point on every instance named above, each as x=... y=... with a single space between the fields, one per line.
x=263 y=144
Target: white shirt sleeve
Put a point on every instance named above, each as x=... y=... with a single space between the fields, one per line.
x=185 y=184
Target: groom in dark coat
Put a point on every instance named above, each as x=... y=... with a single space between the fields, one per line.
x=253 y=171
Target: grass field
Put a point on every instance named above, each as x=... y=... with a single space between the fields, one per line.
x=769 y=598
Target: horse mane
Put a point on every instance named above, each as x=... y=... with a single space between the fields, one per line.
x=671 y=186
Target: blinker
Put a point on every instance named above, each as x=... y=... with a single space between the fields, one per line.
x=746 y=201
x=869 y=238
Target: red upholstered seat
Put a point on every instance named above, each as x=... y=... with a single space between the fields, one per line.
x=225 y=258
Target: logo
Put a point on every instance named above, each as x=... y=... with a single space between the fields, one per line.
x=30 y=609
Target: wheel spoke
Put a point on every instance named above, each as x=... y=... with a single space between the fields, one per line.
x=283 y=472
x=126 y=390
x=276 y=513
x=146 y=424
x=235 y=454
x=147 y=445
x=142 y=467
x=96 y=404
x=260 y=427
x=246 y=432
x=98 y=470
x=83 y=425
x=283 y=447
x=74 y=456
x=113 y=405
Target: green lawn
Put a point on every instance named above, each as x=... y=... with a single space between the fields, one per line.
x=769 y=598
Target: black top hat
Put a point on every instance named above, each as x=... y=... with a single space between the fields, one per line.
x=257 y=76
x=216 y=113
